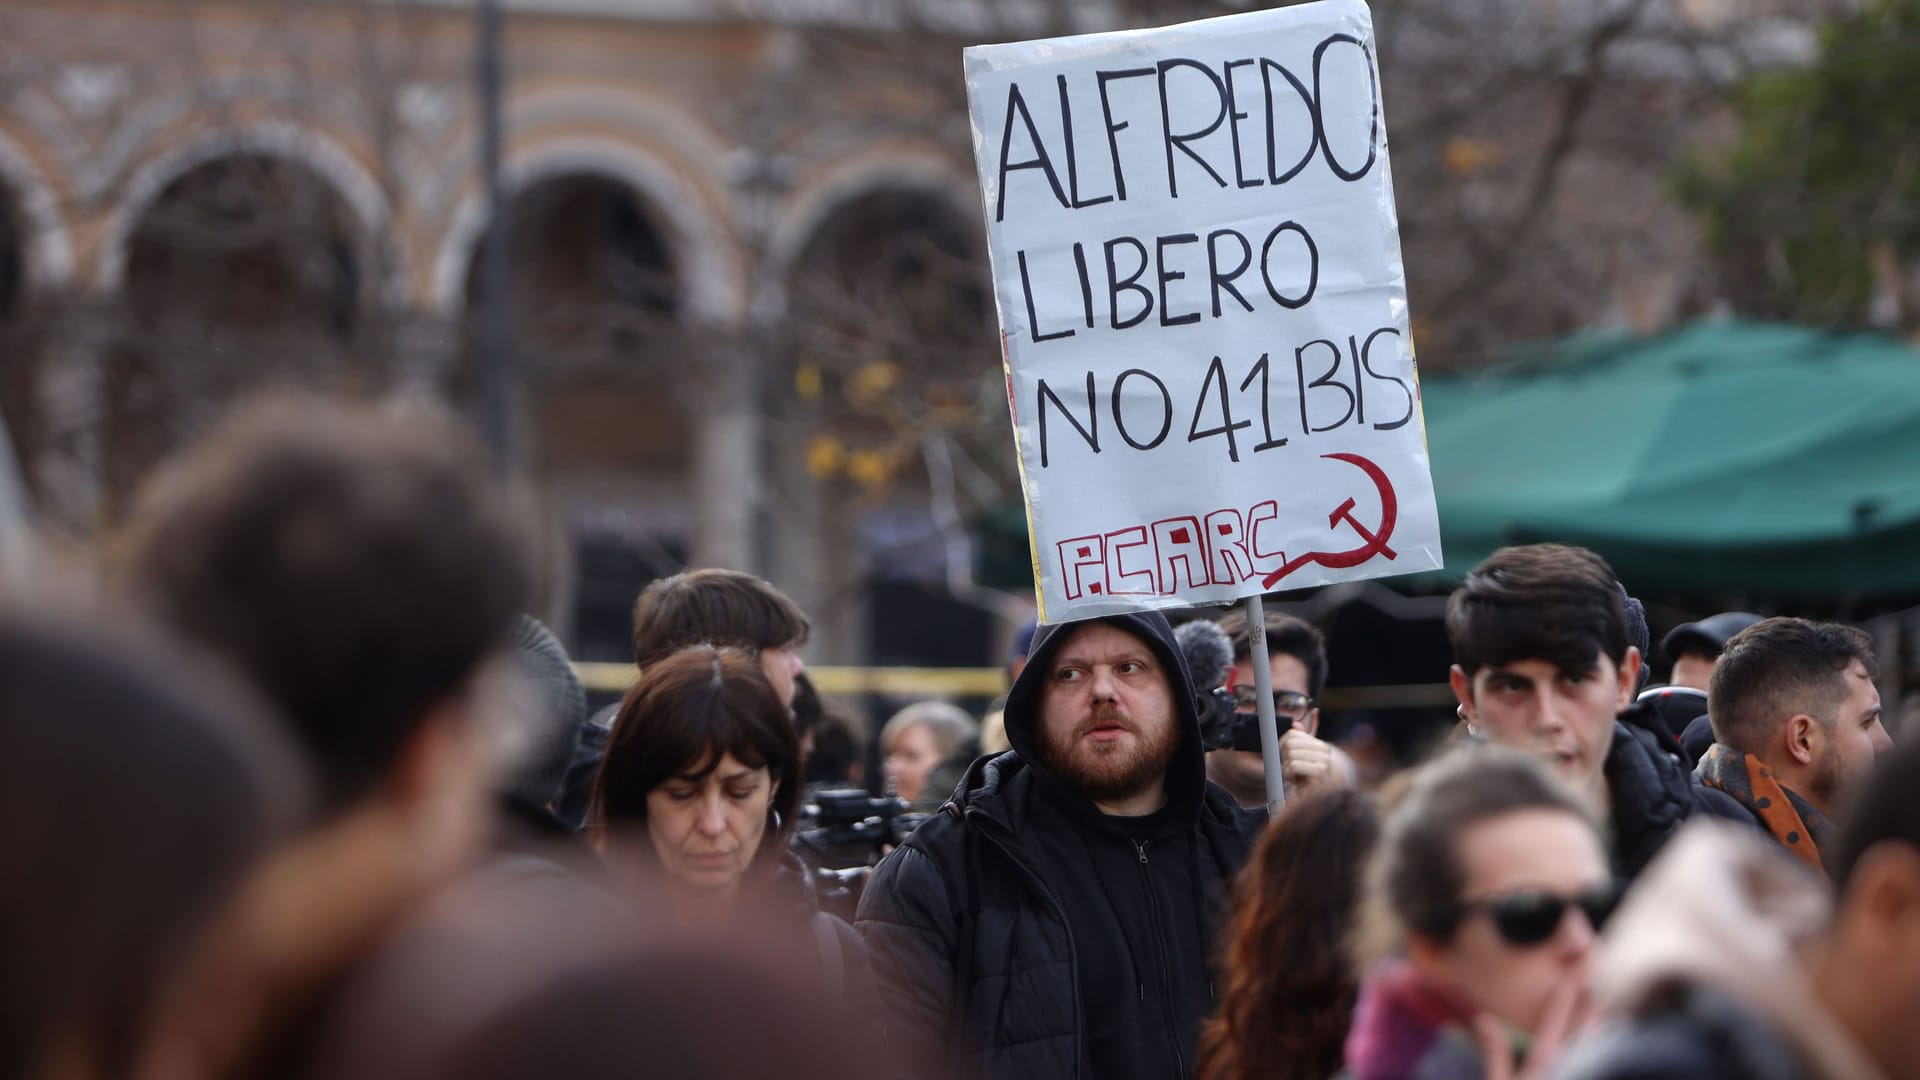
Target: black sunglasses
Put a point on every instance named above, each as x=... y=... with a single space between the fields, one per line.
x=1285 y=702
x=1530 y=917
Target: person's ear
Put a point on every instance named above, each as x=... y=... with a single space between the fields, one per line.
x=1463 y=693
x=1629 y=675
x=1803 y=735
x=1882 y=902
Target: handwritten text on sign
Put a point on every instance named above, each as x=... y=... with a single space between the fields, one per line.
x=1203 y=309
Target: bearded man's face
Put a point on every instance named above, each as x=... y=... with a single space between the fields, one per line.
x=1108 y=725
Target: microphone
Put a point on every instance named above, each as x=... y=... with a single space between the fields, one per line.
x=1209 y=655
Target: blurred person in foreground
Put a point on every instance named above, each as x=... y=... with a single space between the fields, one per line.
x=1297 y=661
x=1056 y=918
x=1796 y=721
x=926 y=748
x=695 y=801
x=140 y=797
x=1483 y=903
x=360 y=568
x=1287 y=979
x=1732 y=961
x=1544 y=661
x=709 y=606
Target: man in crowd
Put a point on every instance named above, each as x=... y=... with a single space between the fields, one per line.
x=1542 y=661
x=1693 y=648
x=1796 y=722
x=361 y=569
x=1297 y=660
x=711 y=606
x=1056 y=919
x=1729 y=961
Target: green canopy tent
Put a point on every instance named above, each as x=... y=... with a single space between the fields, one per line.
x=1721 y=458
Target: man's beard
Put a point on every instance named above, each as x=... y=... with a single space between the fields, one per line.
x=1826 y=781
x=1110 y=772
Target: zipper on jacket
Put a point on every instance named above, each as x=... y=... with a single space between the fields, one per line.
x=1166 y=961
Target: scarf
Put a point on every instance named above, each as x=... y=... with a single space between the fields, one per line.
x=1791 y=819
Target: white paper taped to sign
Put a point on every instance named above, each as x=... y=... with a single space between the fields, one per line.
x=1203 y=310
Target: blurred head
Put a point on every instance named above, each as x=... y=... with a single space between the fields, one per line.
x=360 y=567
x=1542 y=659
x=1490 y=878
x=921 y=736
x=701 y=778
x=1289 y=979
x=139 y=794
x=1800 y=696
x=722 y=607
x=1108 y=724
x=1694 y=648
x=1868 y=970
x=550 y=715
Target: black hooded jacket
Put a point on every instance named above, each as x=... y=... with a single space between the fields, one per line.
x=1652 y=790
x=1022 y=933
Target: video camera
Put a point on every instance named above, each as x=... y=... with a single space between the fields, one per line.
x=842 y=835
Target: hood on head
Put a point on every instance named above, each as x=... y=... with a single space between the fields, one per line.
x=1186 y=776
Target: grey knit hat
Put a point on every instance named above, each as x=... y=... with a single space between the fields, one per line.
x=554 y=722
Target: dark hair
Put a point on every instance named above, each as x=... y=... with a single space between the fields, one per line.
x=1415 y=874
x=1290 y=983
x=137 y=797
x=1287 y=635
x=719 y=607
x=835 y=750
x=356 y=564
x=1778 y=667
x=1551 y=602
x=1887 y=811
x=685 y=713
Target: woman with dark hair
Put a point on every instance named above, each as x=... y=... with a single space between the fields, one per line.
x=1287 y=977
x=137 y=801
x=696 y=798
x=1483 y=903
x=701 y=780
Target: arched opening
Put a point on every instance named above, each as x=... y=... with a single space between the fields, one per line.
x=593 y=311
x=890 y=354
x=246 y=270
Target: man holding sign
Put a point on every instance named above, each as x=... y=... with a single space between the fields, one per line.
x=1056 y=918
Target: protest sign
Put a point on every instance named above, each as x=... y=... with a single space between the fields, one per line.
x=1203 y=309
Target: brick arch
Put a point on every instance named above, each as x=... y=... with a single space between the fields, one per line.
x=699 y=251
x=920 y=172
x=46 y=256
x=303 y=146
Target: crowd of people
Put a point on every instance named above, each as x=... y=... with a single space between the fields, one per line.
x=297 y=788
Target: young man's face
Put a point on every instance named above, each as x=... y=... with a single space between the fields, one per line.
x=781 y=663
x=1564 y=716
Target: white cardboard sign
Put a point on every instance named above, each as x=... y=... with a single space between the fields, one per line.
x=1203 y=310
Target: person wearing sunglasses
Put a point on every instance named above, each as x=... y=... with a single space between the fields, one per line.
x=1483 y=903
x=1297 y=660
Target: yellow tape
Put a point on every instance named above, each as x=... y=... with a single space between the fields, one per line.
x=901 y=681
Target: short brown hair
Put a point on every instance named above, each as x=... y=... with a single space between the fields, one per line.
x=1552 y=602
x=1779 y=667
x=714 y=606
x=1287 y=635
x=355 y=563
x=687 y=711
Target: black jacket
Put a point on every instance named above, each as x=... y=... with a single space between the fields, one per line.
x=1653 y=792
x=993 y=923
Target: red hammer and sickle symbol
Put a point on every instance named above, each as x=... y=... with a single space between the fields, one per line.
x=1375 y=540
